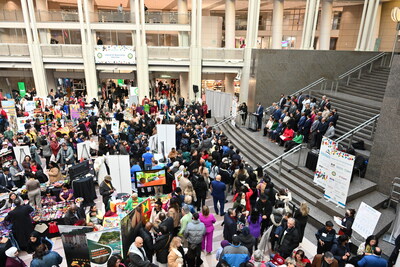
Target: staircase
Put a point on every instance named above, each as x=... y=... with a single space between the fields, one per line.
x=357 y=101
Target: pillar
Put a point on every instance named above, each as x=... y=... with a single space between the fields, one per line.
x=326 y=25
x=195 y=50
x=183 y=18
x=229 y=79
x=230 y=27
x=184 y=85
x=367 y=26
x=310 y=24
x=277 y=22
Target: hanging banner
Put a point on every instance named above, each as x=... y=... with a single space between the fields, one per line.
x=21 y=124
x=114 y=54
x=74 y=110
x=339 y=177
x=324 y=162
x=22 y=89
x=75 y=244
x=102 y=245
x=130 y=225
x=30 y=106
x=115 y=126
x=9 y=108
x=366 y=220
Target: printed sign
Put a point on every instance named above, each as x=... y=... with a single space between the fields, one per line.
x=323 y=164
x=114 y=54
x=102 y=245
x=366 y=220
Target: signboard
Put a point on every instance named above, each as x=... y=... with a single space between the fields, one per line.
x=21 y=124
x=74 y=110
x=115 y=126
x=114 y=54
x=22 y=89
x=130 y=225
x=9 y=108
x=75 y=244
x=103 y=244
x=134 y=91
x=366 y=220
x=121 y=82
x=324 y=162
x=30 y=106
x=339 y=177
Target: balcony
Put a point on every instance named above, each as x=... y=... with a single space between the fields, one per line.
x=18 y=50
x=168 y=53
x=167 y=18
x=57 y=16
x=224 y=54
x=62 y=51
x=11 y=15
x=113 y=17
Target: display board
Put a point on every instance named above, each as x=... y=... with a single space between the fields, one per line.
x=120 y=173
x=83 y=150
x=114 y=54
x=324 y=161
x=115 y=126
x=20 y=152
x=102 y=245
x=166 y=134
x=9 y=108
x=75 y=244
x=21 y=124
x=219 y=103
x=74 y=110
x=366 y=220
x=130 y=225
x=339 y=177
x=29 y=106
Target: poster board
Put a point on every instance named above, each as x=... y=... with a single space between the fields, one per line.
x=178 y=176
x=366 y=220
x=75 y=244
x=324 y=161
x=339 y=177
x=21 y=124
x=9 y=108
x=166 y=134
x=83 y=150
x=20 y=152
x=134 y=91
x=120 y=173
x=74 y=111
x=115 y=126
x=130 y=225
x=102 y=245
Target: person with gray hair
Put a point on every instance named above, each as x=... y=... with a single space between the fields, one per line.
x=325 y=259
x=289 y=239
x=186 y=218
x=258 y=257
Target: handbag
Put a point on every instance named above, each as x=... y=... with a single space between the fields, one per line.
x=53 y=228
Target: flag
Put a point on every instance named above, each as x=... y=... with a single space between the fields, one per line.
x=146 y=210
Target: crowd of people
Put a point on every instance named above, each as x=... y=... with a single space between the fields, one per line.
x=212 y=168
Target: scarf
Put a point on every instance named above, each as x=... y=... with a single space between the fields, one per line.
x=133 y=249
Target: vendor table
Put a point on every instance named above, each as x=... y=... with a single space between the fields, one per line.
x=84 y=187
x=312 y=159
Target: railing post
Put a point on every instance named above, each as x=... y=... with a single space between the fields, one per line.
x=337 y=85
x=359 y=73
x=280 y=167
x=298 y=158
x=370 y=68
x=350 y=140
x=348 y=80
x=373 y=129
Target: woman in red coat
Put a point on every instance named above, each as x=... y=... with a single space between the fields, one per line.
x=287 y=135
x=12 y=258
x=243 y=198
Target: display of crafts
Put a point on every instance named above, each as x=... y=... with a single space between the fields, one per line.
x=51 y=211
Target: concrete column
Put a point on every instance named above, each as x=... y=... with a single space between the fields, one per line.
x=51 y=81
x=230 y=27
x=374 y=28
x=277 y=22
x=183 y=18
x=326 y=25
x=310 y=24
x=195 y=49
x=367 y=27
x=184 y=85
x=229 y=79
x=44 y=34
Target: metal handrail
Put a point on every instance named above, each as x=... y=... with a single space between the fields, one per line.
x=225 y=120
x=281 y=157
x=365 y=63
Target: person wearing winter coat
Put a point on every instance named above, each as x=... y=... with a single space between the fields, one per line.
x=247 y=239
x=289 y=239
x=176 y=256
x=161 y=245
x=194 y=233
x=12 y=258
x=44 y=257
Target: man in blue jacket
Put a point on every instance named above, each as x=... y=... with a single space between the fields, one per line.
x=235 y=254
x=218 y=193
x=374 y=260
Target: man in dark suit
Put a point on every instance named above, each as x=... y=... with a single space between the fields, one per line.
x=282 y=102
x=6 y=182
x=322 y=104
x=289 y=239
x=321 y=130
x=300 y=100
x=218 y=193
x=335 y=116
x=277 y=113
x=259 y=113
x=305 y=129
x=229 y=225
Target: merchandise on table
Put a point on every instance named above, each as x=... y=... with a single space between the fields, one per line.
x=51 y=211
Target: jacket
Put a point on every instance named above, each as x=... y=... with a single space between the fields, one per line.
x=229 y=227
x=339 y=251
x=161 y=247
x=12 y=262
x=218 y=189
x=195 y=231
x=185 y=220
x=137 y=257
x=372 y=261
x=288 y=241
x=324 y=235
x=65 y=155
x=175 y=258
x=235 y=255
x=54 y=175
x=317 y=261
x=248 y=195
x=52 y=258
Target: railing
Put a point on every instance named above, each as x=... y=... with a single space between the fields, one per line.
x=227 y=54
x=168 y=53
x=227 y=119
x=113 y=16
x=282 y=157
x=57 y=16
x=153 y=17
x=61 y=50
x=358 y=70
x=14 y=50
x=350 y=134
x=11 y=15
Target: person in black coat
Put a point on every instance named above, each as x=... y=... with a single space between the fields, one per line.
x=229 y=225
x=148 y=246
x=341 y=250
x=395 y=252
x=35 y=240
x=74 y=215
x=325 y=237
x=106 y=190
x=264 y=207
x=289 y=239
x=247 y=239
x=161 y=245
x=6 y=182
x=166 y=222
x=21 y=221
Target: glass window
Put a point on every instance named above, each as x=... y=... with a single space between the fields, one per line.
x=337 y=16
x=9 y=35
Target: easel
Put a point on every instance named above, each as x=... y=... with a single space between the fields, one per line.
x=86 y=150
x=22 y=155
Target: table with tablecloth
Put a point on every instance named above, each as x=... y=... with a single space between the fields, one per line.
x=84 y=187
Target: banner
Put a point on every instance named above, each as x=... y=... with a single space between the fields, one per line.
x=74 y=110
x=22 y=89
x=75 y=244
x=366 y=220
x=130 y=225
x=114 y=54
x=9 y=108
x=21 y=124
x=324 y=162
x=339 y=177
x=30 y=106
x=102 y=245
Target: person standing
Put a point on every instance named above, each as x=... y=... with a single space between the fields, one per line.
x=106 y=190
x=289 y=239
x=44 y=257
x=33 y=188
x=218 y=193
x=259 y=113
x=194 y=233
x=229 y=224
x=137 y=255
x=185 y=220
x=147 y=159
x=325 y=237
x=21 y=221
x=176 y=253
x=243 y=112
x=235 y=254
x=208 y=219
x=148 y=242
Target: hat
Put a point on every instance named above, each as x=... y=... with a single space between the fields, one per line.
x=148 y=148
x=158 y=202
x=11 y=252
x=224 y=243
x=278 y=260
x=107 y=178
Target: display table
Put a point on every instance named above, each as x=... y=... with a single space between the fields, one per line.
x=84 y=187
x=252 y=122
x=312 y=159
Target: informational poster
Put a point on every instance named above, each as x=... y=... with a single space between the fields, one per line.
x=9 y=108
x=134 y=91
x=120 y=173
x=324 y=161
x=115 y=126
x=178 y=176
x=130 y=225
x=339 y=177
x=30 y=106
x=366 y=220
x=21 y=124
x=114 y=54
x=102 y=245
x=75 y=244
x=39 y=101
x=74 y=109
x=166 y=136
x=20 y=152
x=22 y=89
